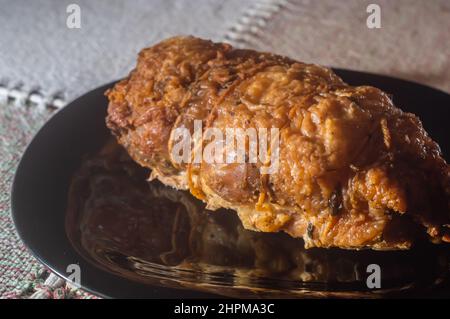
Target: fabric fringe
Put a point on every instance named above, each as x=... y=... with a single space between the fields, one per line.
x=19 y=96
x=252 y=23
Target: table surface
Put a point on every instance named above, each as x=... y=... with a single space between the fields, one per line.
x=44 y=64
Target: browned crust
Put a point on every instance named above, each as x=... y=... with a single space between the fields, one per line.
x=355 y=171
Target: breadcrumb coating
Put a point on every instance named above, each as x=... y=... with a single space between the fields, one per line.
x=354 y=171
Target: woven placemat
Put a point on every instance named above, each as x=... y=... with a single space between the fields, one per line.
x=21 y=275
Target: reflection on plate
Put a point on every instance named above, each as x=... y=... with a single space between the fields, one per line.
x=150 y=233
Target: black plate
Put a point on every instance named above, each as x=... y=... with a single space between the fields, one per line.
x=41 y=185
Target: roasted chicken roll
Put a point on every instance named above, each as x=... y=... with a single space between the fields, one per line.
x=338 y=165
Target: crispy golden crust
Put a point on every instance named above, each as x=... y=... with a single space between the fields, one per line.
x=354 y=170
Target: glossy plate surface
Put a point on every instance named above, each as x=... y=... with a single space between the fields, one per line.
x=77 y=198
